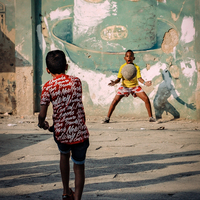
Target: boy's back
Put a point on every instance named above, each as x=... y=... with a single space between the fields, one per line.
x=70 y=132
x=65 y=93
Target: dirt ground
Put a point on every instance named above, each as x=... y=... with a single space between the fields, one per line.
x=128 y=159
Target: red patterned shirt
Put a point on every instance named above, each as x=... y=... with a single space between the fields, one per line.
x=65 y=93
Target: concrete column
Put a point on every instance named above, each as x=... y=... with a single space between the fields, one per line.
x=24 y=53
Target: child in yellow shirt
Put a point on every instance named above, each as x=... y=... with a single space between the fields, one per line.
x=130 y=87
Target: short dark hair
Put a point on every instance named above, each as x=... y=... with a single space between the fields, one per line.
x=56 y=61
x=129 y=51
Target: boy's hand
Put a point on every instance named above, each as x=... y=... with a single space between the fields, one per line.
x=148 y=83
x=51 y=128
x=41 y=117
x=112 y=83
x=45 y=125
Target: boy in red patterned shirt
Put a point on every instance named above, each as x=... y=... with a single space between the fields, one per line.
x=70 y=131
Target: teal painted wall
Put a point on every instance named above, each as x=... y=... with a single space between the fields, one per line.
x=23 y=27
x=95 y=35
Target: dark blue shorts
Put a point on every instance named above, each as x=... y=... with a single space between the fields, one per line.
x=78 y=150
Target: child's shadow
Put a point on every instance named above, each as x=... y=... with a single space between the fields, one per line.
x=165 y=90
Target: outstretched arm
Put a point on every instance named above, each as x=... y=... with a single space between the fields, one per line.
x=147 y=83
x=191 y=105
x=112 y=83
x=175 y=95
x=41 y=117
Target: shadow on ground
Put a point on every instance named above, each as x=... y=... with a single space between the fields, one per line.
x=44 y=172
x=13 y=142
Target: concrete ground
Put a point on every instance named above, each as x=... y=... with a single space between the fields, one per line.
x=128 y=159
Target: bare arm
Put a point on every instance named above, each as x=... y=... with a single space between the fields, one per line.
x=41 y=117
x=147 y=83
x=112 y=83
x=191 y=105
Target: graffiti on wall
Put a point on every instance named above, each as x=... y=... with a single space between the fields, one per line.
x=96 y=33
x=165 y=90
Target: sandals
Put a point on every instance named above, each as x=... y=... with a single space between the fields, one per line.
x=68 y=196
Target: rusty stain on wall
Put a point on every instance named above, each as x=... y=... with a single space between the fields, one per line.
x=169 y=60
x=170 y=40
x=45 y=30
x=175 y=73
x=149 y=57
x=148 y=66
x=7 y=93
x=176 y=17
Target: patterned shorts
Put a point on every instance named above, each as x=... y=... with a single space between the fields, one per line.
x=126 y=91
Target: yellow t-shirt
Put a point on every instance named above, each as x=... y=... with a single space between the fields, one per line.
x=133 y=82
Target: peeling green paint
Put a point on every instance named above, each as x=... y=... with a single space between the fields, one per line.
x=176 y=48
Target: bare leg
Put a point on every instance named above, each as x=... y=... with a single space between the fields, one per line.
x=79 y=171
x=64 y=169
x=145 y=98
x=113 y=104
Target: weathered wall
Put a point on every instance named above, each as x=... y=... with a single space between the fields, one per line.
x=24 y=56
x=7 y=58
x=197 y=56
x=95 y=34
x=16 y=57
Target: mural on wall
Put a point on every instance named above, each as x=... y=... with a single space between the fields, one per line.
x=96 y=38
x=165 y=90
x=96 y=33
